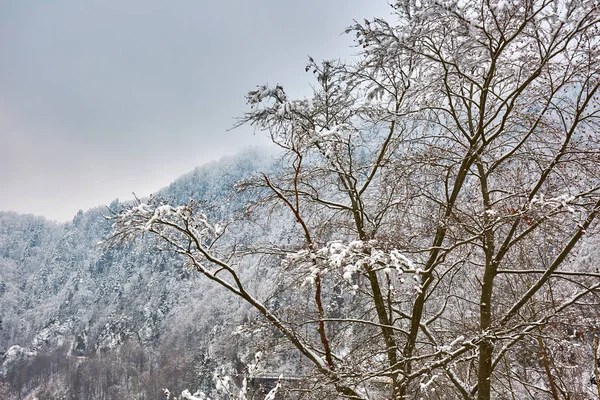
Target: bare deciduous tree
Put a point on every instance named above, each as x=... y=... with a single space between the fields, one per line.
x=440 y=188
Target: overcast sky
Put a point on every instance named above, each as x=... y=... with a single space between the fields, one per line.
x=100 y=98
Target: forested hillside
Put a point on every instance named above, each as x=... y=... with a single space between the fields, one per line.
x=135 y=318
x=80 y=320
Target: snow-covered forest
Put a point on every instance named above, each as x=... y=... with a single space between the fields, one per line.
x=427 y=230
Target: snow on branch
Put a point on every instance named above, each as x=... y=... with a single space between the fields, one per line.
x=350 y=258
x=185 y=227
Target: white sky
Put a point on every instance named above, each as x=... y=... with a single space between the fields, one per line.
x=101 y=98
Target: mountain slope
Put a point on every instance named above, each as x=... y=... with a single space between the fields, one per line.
x=60 y=289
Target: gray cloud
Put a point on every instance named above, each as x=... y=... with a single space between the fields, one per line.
x=101 y=98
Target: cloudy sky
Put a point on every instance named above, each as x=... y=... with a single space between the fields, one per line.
x=101 y=98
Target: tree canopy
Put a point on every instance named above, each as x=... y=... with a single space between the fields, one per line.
x=437 y=191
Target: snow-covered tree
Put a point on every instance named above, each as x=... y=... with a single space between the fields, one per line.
x=439 y=190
